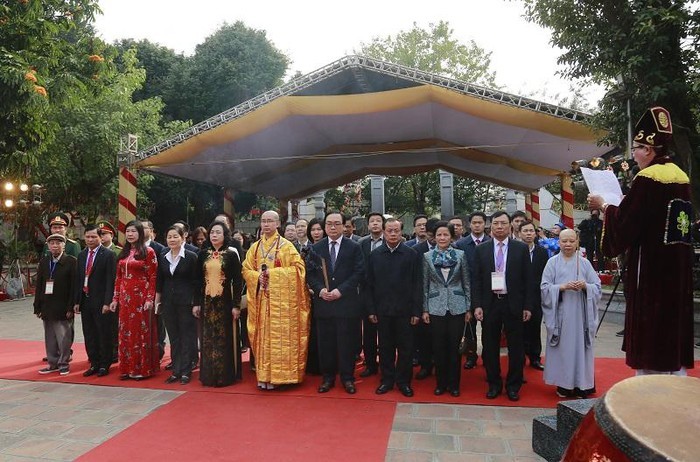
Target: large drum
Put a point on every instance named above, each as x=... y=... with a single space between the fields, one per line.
x=646 y=418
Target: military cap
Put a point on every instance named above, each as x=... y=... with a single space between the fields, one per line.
x=58 y=218
x=105 y=227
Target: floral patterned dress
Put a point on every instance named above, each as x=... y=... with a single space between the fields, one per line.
x=138 y=331
x=220 y=348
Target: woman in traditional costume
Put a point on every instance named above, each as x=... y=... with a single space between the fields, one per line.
x=134 y=295
x=220 y=265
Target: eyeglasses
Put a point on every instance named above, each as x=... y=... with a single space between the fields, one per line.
x=640 y=146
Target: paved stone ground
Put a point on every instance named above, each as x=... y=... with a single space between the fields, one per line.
x=40 y=421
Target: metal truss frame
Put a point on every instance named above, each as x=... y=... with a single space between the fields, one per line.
x=355 y=63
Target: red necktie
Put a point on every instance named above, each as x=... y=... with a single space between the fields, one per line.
x=88 y=269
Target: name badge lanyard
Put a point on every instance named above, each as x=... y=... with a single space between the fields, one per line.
x=49 y=283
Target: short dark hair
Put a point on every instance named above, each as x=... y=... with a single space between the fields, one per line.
x=177 y=227
x=477 y=214
x=185 y=226
x=456 y=217
x=418 y=217
x=430 y=224
x=334 y=212
x=500 y=213
x=312 y=222
x=518 y=213
x=444 y=224
x=91 y=227
x=528 y=222
x=376 y=214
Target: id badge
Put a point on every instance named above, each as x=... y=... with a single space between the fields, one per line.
x=498 y=281
x=49 y=288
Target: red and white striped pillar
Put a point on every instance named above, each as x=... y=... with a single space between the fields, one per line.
x=528 y=205
x=567 y=200
x=127 y=200
x=535 y=199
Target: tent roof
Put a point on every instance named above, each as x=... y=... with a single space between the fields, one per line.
x=360 y=116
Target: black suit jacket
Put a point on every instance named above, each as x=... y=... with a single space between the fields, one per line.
x=56 y=305
x=157 y=247
x=101 y=279
x=346 y=277
x=468 y=245
x=539 y=261
x=518 y=277
x=183 y=286
x=394 y=282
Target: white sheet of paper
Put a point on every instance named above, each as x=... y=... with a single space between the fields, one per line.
x=49 y=288
x=603 y=183
x=498 y=281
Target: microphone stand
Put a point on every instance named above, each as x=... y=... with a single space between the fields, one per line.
x=612 y=295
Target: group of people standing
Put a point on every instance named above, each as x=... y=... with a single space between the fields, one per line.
x=320 y=296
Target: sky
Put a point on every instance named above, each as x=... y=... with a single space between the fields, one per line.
x=315 y=33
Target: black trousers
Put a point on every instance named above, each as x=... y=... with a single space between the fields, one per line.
x=496 y=318
x=395 y=349
x=161 y=336
x=446 y=333
x=369 y=343
x=532 y=339
x=97 y=331
x=182 y=330
x=337 y=345
x=423 y=341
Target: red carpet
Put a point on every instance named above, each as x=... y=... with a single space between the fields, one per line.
x=215 y=426
x=20 y=360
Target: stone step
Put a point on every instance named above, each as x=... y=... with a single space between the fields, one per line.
x=545 y=441
x=570 y=414
x=551 y=433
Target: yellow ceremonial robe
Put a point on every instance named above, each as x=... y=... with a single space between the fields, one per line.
x=278 y=317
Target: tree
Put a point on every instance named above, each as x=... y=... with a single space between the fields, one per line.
x=647 y=51
x=433 y=50
x=233 y=65
x=45 y=55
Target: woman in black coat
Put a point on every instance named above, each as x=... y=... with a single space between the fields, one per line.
x=177 y=289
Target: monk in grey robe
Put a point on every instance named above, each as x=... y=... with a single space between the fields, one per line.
x=570 y=296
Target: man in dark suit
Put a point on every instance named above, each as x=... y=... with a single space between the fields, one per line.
x=419 y=233
x=94 y=289
x=394 y=288
x=423 y=340
x=502 y=297
x=369 y=243
x=477 y=223
x=538 y=257
x=337 y=305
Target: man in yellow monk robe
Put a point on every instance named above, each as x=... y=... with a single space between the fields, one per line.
x=278 y=306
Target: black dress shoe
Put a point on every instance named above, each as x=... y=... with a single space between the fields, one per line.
x=91 y=371
x=185 y=379
x=536 y=365
x=124 y=377
x=102 y=372
x=169 y=367
x=325 y=387
x=383 y=388
x=406 y=390
x=493 y=393
x=470 y=364
x=367 y=372
x=349 y=387
x=438 y=391
x=423 y=373
x=172 y=379
x=454 y=393
x=513 y=396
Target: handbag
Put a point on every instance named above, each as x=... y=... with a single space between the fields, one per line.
x=467 y=346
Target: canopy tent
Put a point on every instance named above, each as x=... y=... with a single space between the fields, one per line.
x=360 y=116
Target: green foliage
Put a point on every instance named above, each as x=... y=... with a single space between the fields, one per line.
x=44 y=57
x=652 y=45
x=434 y=50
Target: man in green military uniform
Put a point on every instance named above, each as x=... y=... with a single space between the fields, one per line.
x=58 y=224
x=107 y=233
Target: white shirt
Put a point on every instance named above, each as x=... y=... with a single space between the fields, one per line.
x=174 y=261
x=480 y=239
x=375 y=243
x=337 y=246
